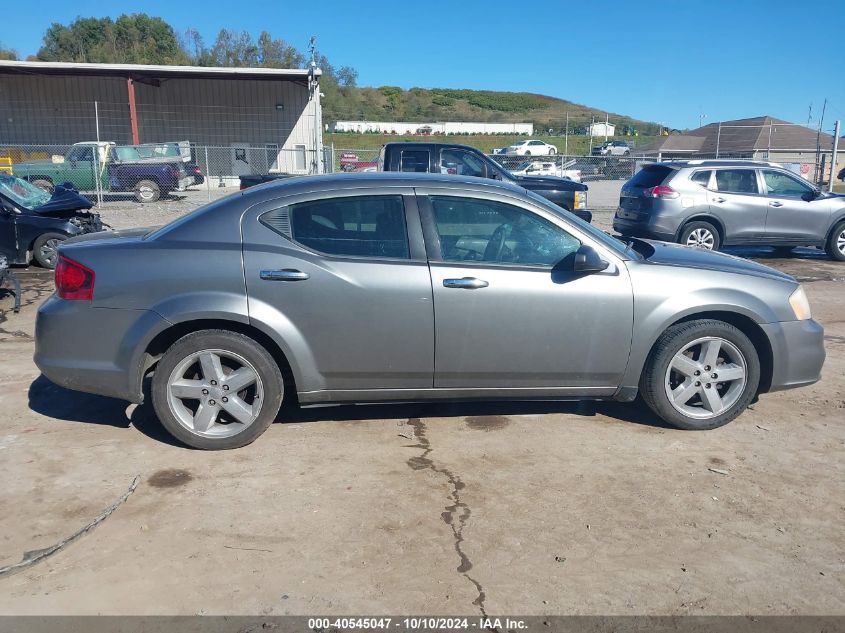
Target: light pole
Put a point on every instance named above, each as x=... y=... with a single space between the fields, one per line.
x=701 y=118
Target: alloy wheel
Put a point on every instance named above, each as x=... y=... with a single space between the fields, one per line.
x=706 y=377
x=840 y=243
x=701 y=238
x=215 y=393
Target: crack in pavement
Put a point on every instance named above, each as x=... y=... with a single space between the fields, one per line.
x=457 y=510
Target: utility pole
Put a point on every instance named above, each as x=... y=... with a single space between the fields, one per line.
x=819 y=159
x=834 y=155
x=718 y=138
x=606 y=122
x=701 y=118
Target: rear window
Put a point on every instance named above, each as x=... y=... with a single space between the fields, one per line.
x=701 y=177
x=414 y=160
x=650 y=176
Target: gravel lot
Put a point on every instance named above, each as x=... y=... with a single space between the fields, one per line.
x=543 y=508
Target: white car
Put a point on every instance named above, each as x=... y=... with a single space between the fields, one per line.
x=541 y=168
x=531 y=148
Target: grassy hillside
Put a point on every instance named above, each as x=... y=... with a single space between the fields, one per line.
x=389 y=103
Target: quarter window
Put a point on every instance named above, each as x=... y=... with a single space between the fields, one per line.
x=779 y=184
x=736 y=181
x=478 y=230
x=701 y=177
x=360 y=226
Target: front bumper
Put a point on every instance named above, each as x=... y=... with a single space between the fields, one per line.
x=95 y=350
x=797 y=353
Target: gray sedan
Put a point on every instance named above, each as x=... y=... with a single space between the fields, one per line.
x=412 y=287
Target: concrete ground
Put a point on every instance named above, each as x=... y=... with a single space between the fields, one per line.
x=543 y=508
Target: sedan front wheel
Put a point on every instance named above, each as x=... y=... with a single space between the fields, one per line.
x=701 y=374
x=215 y=389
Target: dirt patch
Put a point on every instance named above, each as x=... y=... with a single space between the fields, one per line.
x=169 y=478
x=487 y=422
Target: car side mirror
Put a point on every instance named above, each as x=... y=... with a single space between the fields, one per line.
x=809 y=196
x=588 y=261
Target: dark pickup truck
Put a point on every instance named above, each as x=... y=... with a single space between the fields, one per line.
x=446 y=158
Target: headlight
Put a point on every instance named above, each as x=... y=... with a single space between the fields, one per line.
x=800 y=305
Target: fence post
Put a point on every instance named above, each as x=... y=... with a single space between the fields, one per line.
x=207 y=175
x=833 y=156
x=97 y=184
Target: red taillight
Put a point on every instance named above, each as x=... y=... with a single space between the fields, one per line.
x=73 y=280
x=661 y=191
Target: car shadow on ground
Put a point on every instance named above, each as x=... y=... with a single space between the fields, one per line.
x=59 y=403
x=56 y=402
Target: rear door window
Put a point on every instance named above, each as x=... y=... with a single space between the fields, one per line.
x=650 y=176
x=356 y=226
x=737 y=181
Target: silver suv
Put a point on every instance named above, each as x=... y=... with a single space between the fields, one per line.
x=714 y=203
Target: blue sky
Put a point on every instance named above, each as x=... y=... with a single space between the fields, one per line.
x=665 y=61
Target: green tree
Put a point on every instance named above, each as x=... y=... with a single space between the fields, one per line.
x=8 y=53
x=130 y=39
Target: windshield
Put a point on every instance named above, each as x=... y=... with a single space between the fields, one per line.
x=607 y=240
x=22 y=192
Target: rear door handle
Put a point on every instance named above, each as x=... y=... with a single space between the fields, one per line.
x=718 y=199
x=469 y=283
x=776 y=204
x=287 y=274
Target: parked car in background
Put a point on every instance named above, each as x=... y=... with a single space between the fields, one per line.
x=544 y=168
x=412 y=287
x=612 y=148
x=462 y=160
x=33 y=222
x=715 y=203
x=530 y=147
x=145 y=171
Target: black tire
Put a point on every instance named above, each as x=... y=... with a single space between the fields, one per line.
x=147 y=191
x=45 y=249
x=834 y=248
x=656 y=375
x=43 y=183
x=701 y=228
x=222 y=341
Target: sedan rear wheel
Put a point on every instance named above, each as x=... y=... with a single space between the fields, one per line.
x=701 y=374
x=215 y=389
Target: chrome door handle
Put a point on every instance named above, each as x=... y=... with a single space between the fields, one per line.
x=776 y=204
x=288 y=274
x=718 y=199
x=469 y=283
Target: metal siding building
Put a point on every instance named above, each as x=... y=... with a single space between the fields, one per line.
x=269 y=117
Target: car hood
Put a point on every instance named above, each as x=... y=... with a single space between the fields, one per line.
x=64 y=200
x=535 y=183
x=666 y=254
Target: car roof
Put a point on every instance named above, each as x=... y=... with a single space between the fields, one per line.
x=374 y=180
